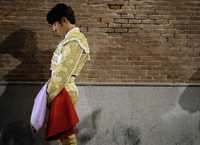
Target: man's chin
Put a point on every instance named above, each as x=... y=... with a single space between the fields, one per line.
x=57 y=35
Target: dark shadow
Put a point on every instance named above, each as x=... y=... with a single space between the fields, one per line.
x=190 y=98
x=17 y=100
x=17 y=133
x=87 y=128
x=126 y=135
x=22 y=45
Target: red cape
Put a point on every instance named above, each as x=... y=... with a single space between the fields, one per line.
x=62 y=117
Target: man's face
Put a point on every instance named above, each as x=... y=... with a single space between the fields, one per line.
x=58 y=28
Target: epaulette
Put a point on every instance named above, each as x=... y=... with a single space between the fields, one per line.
x=78 y=37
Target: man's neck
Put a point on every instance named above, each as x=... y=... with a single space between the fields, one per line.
x=68 y=29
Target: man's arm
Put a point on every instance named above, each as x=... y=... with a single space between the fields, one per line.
x=71 y=54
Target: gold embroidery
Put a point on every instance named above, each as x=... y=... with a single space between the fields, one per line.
x=67 y=60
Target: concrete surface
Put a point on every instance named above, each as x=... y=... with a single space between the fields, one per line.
x=111 y=115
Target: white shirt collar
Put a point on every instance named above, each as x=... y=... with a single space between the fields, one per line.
x=70 y=31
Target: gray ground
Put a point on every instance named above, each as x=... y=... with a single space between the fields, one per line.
x=111 y=115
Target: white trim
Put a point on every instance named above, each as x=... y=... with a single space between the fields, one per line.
x=63 y=42
x=75 y=29
x=75 y=66
x=81 y=44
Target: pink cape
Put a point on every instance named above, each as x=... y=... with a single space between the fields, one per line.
x=39 y=109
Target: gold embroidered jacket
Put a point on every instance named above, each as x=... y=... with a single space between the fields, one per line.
x=68 y=59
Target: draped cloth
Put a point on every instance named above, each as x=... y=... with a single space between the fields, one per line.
x=39 y=109
x=62 y=117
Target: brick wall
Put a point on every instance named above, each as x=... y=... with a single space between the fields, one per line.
x=132 y=41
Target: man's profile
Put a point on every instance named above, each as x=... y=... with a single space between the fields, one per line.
x=67 y=62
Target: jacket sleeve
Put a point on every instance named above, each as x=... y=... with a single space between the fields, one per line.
x=71 y=54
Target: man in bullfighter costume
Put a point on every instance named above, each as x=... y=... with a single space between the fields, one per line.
x=68 y=59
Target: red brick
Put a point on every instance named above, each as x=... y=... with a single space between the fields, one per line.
x=131 y=41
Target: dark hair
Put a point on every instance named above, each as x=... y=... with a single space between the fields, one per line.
x=59 y=11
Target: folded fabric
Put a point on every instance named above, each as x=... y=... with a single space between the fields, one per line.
x=39 y=109
x=62 y=118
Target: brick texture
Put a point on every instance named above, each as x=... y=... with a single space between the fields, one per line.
x=132 y=41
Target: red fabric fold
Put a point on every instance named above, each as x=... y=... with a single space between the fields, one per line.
x=62 y=117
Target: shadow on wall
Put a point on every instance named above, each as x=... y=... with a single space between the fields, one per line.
x=22 y=45
x=88 y=127
x=16 y=100
x=126 y=135
x=190 y=99
x=190 y=102
x=121 y=133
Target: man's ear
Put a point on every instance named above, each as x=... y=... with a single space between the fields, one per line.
x=64 y=20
